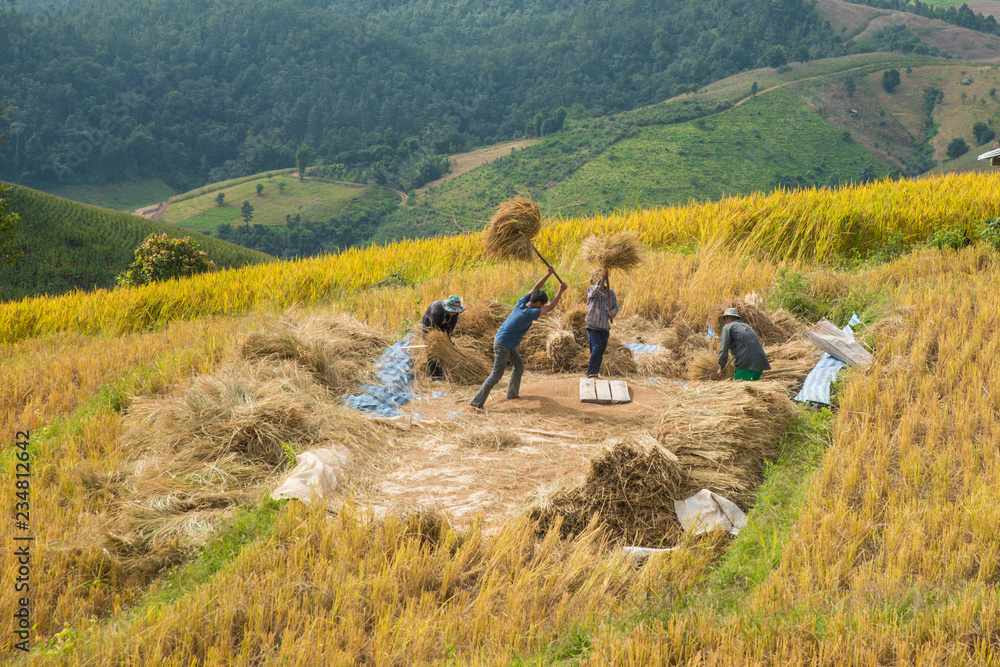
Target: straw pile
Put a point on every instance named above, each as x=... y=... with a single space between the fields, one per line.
x=511 y=229
x=619 y=251
x=722 y=435
x=715 y=437
x=790 y=364
x=209 y=446
x=704 y=364
x=561 y=349
x=630 y=486
x=337 y=349
x=464 y=365
x=767 y=331
x=492 y=439
x=481 y=320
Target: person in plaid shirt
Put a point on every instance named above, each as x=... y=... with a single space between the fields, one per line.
x=602 y=307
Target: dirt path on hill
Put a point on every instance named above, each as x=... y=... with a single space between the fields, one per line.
x=463 y=163
x=154 y=212
x=439 y=466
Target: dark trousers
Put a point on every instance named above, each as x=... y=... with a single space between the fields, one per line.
x=501 y=355
x=598 y=343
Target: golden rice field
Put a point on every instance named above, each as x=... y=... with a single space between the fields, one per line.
x=884 y=550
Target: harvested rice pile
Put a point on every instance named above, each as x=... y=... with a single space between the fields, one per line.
x=481 y=320
x=630 y=485
x=716 y=437
x=464 y=365
x=211 y=445
x=337 y=349
x=790 y=364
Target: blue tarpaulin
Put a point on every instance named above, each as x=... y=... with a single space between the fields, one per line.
x=639 y=349
x=394 y=371
x=816 y=388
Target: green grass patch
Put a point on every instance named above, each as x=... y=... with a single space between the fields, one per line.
x=221 y=185
x=312 y=199
x=127 y=197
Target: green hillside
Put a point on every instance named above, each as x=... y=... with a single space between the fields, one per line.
x=68 y=245
x=282 y=196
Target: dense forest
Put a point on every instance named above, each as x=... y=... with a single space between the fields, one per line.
x=196 y=90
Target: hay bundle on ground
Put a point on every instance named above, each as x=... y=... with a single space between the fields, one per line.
x=619 y=251
x=210 y=446
x=756 y=317
x=790 y=364
x=337 y=349
x=702 y=366
x=576 y=320
x=561 y=348
x=722 y=435
x=481 y=320
x=787 y=322
x=464 y=365
x=662 y=363
x=511 y=229
x=631 y=485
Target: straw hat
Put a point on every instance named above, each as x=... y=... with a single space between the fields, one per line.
x=729 y=312
x=454 y=304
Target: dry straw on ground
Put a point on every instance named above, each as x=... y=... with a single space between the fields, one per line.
x=619 y=251
x=716 y=437
x=511 y=229
x=630 y=485
x=337 y=349
x=464 y=365
x=492 y=439
x=767 y=331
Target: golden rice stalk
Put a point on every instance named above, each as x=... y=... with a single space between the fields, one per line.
x=724 y=433
x=481 y=320
x=464 y=366
x=509 y=233
x=631 y=486
x=703 y=366
x=620 y=251
x=561 y=348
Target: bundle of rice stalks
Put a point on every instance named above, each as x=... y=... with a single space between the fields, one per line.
x=619 y=251
x=722 y=435
x=493 y=439
x=576 y=321
x=209 y=447
x=702 y=367
x=481 y=320
x=662 y=363
x=791 y=363
x=337 y=349
x=511 y=229
x=631 y=486
x=561 y=348
x=787 y=322
x=756 y=317
x=464 y=365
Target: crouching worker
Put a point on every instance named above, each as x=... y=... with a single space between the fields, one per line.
x=528 y=308
x=443 y=316
x=602 y=307
x=748 y=354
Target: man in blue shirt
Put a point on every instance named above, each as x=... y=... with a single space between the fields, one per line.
x=528 y=308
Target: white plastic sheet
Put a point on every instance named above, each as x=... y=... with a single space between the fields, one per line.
x=317 y=473
x=706 y=511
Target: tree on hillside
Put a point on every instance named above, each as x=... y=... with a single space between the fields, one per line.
x=303 y=156
x=982 y=132
x=220 y=198
x=890 y=79
x=956 y=148
x=850 y=85
x=775 y=56
x=753 y=89
x=260 y=189
x=161 y=258
x=246 y=211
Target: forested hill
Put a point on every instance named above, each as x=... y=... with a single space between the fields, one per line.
x=191 y=90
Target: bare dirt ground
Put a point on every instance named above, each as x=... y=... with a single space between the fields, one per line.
x=462 y=163
x=154 y=212
x=437 y=467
